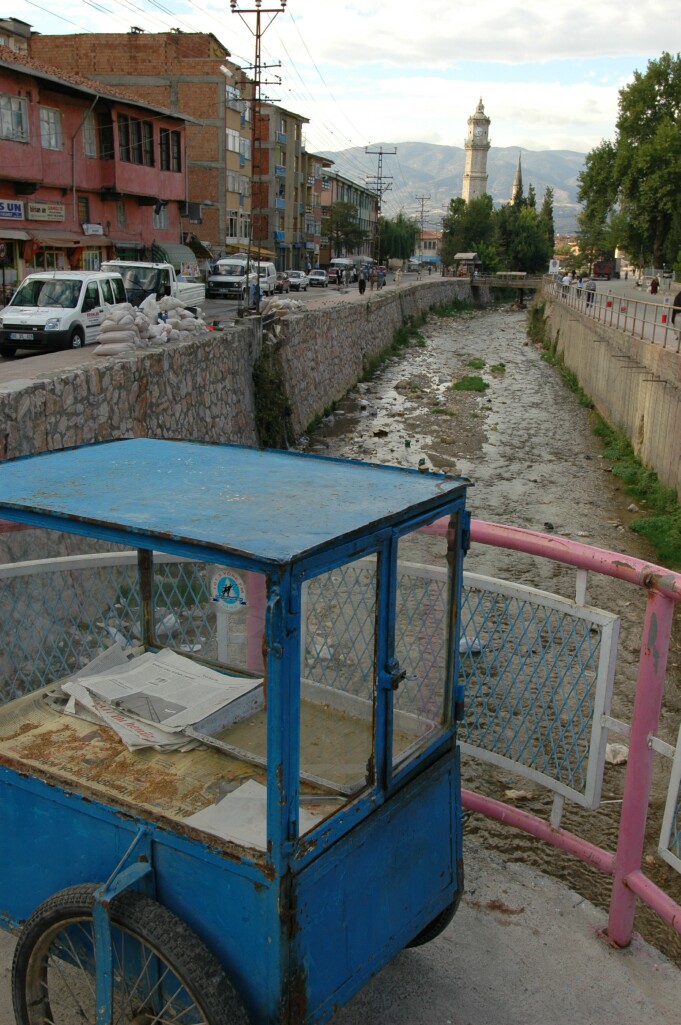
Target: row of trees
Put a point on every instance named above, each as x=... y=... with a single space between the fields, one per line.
x=517 y=236
x=631 y=186
x=395 y=238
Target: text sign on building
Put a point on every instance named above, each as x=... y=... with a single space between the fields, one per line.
x=45 y=211
x=12 y=209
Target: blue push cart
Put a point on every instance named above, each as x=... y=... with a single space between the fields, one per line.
x=278 y=846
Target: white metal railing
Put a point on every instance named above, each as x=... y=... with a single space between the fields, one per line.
x=639 y=318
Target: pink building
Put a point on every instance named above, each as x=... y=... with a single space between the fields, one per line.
x=86 y=172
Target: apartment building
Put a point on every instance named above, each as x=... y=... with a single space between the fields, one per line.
x=336 y=188
x=190 y=73
x=86 y=170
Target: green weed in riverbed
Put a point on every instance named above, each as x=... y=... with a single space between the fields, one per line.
x=469 y=383
x=660 y=523
x=476 y=363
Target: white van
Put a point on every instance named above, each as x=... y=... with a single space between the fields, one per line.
x=229 y=279
x=58 y=310
x=267 y=276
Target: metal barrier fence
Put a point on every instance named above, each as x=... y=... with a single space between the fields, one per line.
x=639 y=318
x=538 y=670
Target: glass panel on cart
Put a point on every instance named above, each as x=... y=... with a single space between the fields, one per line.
x=338 y=686
x=422 y=621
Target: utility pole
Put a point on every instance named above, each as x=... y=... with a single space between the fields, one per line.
x=381 y=183
x=422 y=200
x=258 y=10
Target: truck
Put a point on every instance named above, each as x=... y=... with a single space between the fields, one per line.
x=606 y=268
x=157 y=279
x=232 y=278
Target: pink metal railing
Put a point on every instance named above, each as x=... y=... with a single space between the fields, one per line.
x=624 y=865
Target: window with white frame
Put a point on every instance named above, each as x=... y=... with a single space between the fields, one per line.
x=244 y=185
x=89 y=135
x=233 y=181
x=232 y=140
x=160 y=219
x=50 y=128
x=244 y=225
x=91 y=259
x=245 y=147
x=232 y=223
x=13 y=118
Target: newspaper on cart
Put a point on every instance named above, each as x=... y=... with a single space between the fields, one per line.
x=150 y=699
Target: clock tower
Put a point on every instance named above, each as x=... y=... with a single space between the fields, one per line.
x=477 y=145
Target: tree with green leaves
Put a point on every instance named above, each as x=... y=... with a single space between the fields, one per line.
x=638 y=176
x=397 y=237
x=341 y=227
x=521 y=239
x=468 y=228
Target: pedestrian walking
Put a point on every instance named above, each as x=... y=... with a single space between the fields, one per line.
x=654 y=285
x=590 y=289
x=339 y=276
x=362 y=283
x=373 y=277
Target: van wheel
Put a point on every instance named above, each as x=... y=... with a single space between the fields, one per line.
x=77 y=339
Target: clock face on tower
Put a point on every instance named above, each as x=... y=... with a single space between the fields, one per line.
x=478 y=132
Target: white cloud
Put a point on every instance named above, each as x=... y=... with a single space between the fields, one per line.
x=392 y=70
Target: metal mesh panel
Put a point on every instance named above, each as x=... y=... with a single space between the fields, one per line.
x=339 y=628
x=60 y=615
x=57 y=620
x=532 y=666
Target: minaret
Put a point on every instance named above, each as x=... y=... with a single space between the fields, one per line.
x=477 y=146
x=517 y=189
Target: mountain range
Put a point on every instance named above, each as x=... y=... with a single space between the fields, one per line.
x=423 y=177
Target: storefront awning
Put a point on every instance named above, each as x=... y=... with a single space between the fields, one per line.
x=14 y=234
x=126 y=243
x=57 y=238
x=173 y=252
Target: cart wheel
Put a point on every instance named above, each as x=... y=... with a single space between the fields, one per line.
x=163 y=974
x=438 y=924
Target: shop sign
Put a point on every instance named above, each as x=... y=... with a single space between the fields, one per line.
x=12 y=209
x=93 y=229
x=45 y=211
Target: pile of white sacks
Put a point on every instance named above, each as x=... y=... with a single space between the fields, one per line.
x=126 y=327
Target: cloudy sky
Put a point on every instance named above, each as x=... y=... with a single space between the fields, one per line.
x=389 y=71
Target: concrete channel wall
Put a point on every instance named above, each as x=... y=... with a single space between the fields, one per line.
x=204 y=391
x=635 y=385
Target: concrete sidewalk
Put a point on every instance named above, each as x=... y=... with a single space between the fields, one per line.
x=522 y=950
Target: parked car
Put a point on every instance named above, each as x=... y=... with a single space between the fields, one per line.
x=319 y=278
x=332 y=275
x=298 y=280
x=53 y=310
x=282 y=284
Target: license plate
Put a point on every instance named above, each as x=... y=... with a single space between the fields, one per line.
x=21 y=336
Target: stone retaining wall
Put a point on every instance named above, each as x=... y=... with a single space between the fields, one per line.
x=635 y=385
x=204 y=390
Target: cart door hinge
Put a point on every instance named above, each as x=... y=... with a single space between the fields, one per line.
x=394 y=675
x=465 y=531
x=459 y=702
